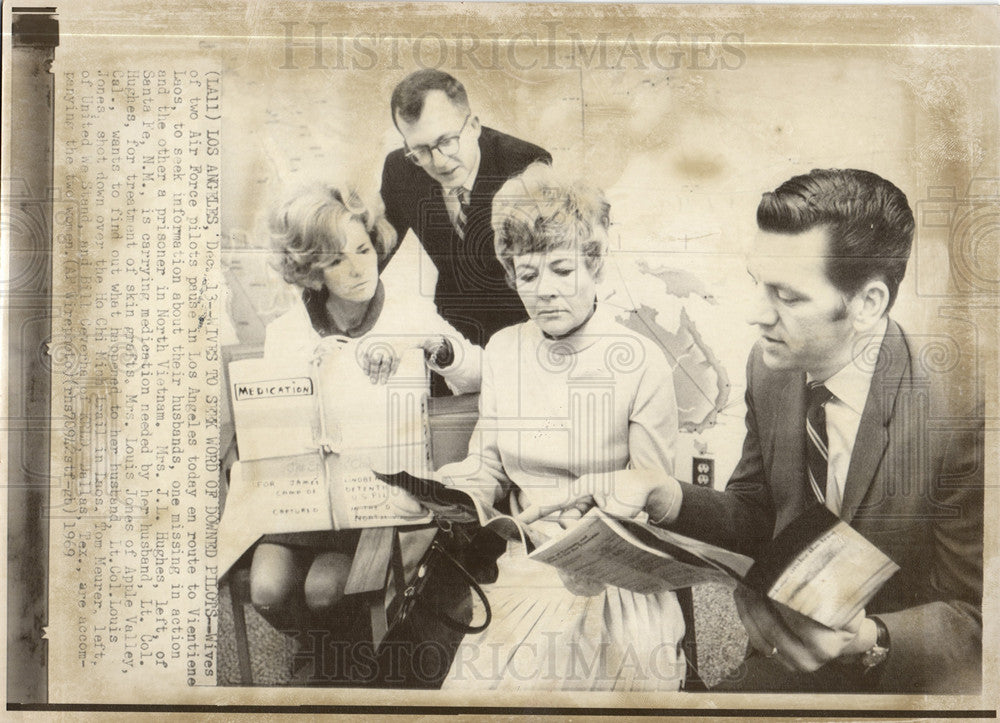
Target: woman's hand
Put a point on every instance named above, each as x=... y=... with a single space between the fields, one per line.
x=475 y=475
x=406 y=505
x=566 y=513
x=452 y=475
x=380 y=360
x=409 y=507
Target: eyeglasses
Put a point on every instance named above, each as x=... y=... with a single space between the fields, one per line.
x=447 y=146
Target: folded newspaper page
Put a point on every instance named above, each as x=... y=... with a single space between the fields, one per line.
x=817 y=566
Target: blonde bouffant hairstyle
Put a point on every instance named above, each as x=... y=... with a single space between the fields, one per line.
x=541 y=210
x=307 y=231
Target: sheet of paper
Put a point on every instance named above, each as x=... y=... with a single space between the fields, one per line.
x=386 y=420
x=357 y=497
x=274 y=408
x=275 y=495
x=594 y=549
x=834 y=577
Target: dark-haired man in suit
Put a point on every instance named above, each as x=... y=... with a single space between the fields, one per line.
x=441 y=184
x=839 y=413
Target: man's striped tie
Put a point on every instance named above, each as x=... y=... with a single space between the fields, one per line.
x=463 y=196
x=817 y=454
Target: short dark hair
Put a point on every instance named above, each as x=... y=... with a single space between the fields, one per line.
x=868 y=222
x=408 y=97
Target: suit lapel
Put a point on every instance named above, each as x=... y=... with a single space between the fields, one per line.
x=487 y=183
x=488 y=178
x=873 y=431
x=436 y=223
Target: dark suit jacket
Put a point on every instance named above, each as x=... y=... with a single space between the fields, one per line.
x=471 y=291
x=914 y=488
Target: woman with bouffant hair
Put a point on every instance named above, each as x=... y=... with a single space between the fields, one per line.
x=567 y=397
x=310 y=225
x=332 y=247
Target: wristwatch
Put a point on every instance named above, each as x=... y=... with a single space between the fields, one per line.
x=876 y=655
x=442 y=355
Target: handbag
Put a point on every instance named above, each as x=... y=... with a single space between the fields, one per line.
x=417 y=620
x=431 y=609
x=437 y=563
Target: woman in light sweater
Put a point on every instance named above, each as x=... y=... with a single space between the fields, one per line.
x=567 y=397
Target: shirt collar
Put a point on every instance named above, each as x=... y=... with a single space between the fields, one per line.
x=600 y=325
x=470 y=180
x=851 y=383
x=315 y=303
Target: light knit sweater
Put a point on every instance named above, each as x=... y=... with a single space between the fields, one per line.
x=601 y=399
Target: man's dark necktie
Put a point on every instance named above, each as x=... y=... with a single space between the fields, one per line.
x=817 y=453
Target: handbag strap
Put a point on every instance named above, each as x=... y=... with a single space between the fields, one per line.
x=438 y=548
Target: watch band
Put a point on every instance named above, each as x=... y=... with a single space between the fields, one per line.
x=442 y=355
x=876 y=655
x=445 y=355
x=882 y=639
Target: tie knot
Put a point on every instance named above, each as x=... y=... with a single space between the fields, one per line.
x=818 y=394
x=463 y=195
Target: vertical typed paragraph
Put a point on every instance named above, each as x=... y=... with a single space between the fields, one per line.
x=136 y=381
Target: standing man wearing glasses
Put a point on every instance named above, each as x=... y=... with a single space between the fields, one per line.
x=441 y=184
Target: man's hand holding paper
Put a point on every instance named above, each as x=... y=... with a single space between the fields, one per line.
x=796 y=641
x=628 y=492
